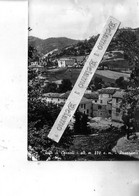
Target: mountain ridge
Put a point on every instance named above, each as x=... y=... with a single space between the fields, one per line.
x=70 y=47
x=46 y=45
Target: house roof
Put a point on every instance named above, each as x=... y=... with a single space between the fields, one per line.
x=42 y=78
x=91 y=95
x=119 y=94
x=53 y=95
x=86 y=95
x=79 y=58
x=65 y=95
x=66 y=59
x=84 y=100
x=57 y=82
x=110 y=91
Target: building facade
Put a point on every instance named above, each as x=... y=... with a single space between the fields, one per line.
x=85 y=105
x=116 y=106
x=103 y=106
x=66 y=62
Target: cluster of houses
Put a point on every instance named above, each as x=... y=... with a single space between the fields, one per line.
x=113 y=60
x=74 y=61
x=105 y=103
x=77 y=61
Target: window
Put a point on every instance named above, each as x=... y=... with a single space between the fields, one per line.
x=81 y=105
x=99 y=107
x=117 y=110
x=95 y=101
x=109 y=111
x=100 y=101
x=117 y=100
x=84 y=106
x=87 y=111
x=117 y=114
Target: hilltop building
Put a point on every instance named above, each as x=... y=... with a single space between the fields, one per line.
x=66 y=62
x=73 y=61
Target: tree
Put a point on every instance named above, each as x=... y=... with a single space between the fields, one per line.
x=80 y=125
x=130 y=101
x=65 y=86
x=121 y=83
x=98 y=83
x=126 y=40
x=33 y=54
x=41 y=117
x=51 y=87
x=129 y=104
x=84 y=126
x=77 y=123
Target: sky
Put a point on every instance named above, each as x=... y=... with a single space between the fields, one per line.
x=79 y=19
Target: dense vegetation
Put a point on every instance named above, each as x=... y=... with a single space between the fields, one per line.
x=130 y=43
x=118 y=43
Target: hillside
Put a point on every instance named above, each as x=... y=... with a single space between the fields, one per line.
x=119 y=42
x=120 y=54
x=78 y=47
x=46 y=45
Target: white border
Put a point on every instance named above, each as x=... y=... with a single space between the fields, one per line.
x=17 y=175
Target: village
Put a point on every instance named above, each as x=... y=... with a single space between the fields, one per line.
x=106 y=123
x=103 y=103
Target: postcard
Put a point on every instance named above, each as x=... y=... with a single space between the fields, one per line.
x=83 y=81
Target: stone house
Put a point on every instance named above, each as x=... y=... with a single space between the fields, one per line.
x=85 y=105
x=54 y=98
x=116 y=106
x=101 y=110
x=66 y=62
x=105 y=95
x=103 y=106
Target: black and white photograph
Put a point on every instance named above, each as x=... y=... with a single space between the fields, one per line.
x=55 y=139
x=105 y=124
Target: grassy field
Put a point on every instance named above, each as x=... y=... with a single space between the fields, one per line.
x=73 y=73
x=112 y=74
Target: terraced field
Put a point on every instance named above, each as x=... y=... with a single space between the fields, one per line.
x=73 y=73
